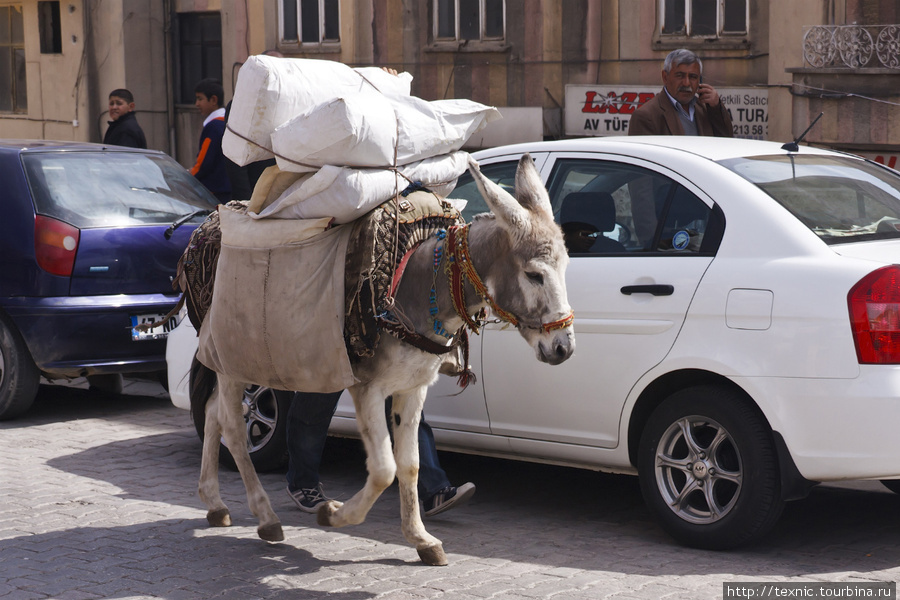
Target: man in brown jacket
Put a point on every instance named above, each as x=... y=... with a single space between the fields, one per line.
x=685 y=106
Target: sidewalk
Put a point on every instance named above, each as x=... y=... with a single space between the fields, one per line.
x=98 y=500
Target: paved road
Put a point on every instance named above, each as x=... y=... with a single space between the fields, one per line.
x=98 y=500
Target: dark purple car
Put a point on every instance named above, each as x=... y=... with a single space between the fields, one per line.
x=89 y=240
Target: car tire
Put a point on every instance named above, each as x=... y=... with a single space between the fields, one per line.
x=265 y=415
x=892 y=484
x=19 y=376
x=709 y=469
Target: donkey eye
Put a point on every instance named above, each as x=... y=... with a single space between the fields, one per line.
x=535 y=278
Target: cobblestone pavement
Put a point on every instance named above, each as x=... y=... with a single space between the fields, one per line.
x=98 y=500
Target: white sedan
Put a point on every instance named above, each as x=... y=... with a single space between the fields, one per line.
x=737 y=312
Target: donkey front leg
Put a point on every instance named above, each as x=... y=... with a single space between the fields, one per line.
x=369 y=405
x=235 y=435
x=406 y=412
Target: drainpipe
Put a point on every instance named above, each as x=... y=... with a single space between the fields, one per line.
x=169 y=8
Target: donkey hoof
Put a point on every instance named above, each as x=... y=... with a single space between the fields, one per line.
x=433 y=555
x=218 y=518
x=271 y=533
x=326 y=512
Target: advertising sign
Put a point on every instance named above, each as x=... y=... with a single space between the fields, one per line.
x=607 y=109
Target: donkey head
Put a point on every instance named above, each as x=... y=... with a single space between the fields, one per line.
x=527 y=275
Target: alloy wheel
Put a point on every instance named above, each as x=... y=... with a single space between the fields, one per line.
x=698 y=470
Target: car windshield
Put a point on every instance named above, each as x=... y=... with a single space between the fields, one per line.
x=841 y=199
x=113 y=189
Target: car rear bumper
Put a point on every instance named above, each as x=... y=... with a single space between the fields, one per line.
x=836 y=429
x=83 y=335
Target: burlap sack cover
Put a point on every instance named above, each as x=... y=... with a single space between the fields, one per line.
x=277 y=311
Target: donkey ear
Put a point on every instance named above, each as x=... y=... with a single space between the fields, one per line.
x=504 y=206
x=530 y=190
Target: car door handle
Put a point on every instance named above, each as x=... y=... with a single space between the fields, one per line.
x=656 y=290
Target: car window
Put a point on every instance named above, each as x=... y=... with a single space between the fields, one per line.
x=502 y=173
x=608 y=207
x=840 y=198
x=113 y=189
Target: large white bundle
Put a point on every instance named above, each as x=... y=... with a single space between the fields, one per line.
x=346 y=194
x=371 y=130
x=271 y=91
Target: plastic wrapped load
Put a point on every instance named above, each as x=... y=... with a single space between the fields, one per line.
x=346 y=194
x=271 y=91
x=315 y=112
x=372 y=130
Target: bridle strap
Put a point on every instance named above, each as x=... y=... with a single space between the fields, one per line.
x=460 y=264
x=560 y=324
x=455 y=275
x=414 y=339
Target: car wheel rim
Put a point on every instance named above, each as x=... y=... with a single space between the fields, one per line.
x=260 y=408
x=699 y=471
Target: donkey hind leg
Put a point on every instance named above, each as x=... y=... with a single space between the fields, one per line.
x=405 y=415
x=235 y=435
x=217 y=513
x=380 y=465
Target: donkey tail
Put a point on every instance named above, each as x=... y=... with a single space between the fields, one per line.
x=202 y=384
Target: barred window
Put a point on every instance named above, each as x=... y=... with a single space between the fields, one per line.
x=50 y=27
x=199 y=51
x=703 y=18
x=469 y=19
x=13 y=97
x=310 y=21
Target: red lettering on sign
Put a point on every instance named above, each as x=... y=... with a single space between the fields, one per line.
x=610 y=104
x=645 y=97
x=614 y=104
x=629 y=103
x=589 y=106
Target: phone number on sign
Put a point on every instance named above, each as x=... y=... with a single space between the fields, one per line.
x=748 y=129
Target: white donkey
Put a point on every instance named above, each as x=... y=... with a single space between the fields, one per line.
x=513 y=261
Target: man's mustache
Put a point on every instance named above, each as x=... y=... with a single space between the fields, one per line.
x=686 y=88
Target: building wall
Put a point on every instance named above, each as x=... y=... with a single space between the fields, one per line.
x=860 y=107
x=105 y=45
x=549 y=44
x=131 y=51
x=57 y=98
x=787 y=20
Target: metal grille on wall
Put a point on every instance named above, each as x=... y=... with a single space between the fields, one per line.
x=852 y=46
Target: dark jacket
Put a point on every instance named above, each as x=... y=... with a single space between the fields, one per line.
x=211 y=168
x=125 y=131
x=657 y=116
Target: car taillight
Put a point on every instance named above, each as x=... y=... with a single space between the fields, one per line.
x=875 y=316
x=55 y=245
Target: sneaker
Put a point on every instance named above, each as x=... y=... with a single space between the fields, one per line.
x=447 y=498
x=308 y=499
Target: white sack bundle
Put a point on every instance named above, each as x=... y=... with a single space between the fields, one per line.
x=270 y=91
x=346 y=194
x=367 y=130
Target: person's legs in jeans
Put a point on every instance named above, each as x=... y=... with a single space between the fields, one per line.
x=435 y=490
x=307 y=429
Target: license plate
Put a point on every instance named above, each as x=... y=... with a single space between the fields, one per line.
x=157 y=333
